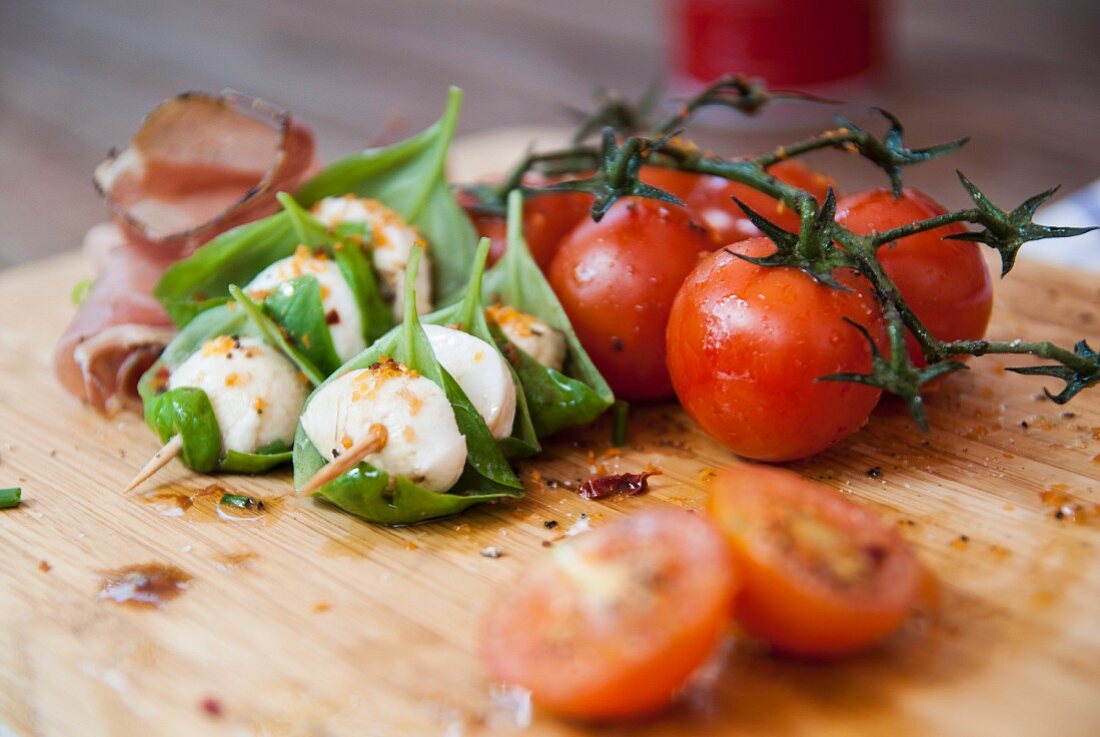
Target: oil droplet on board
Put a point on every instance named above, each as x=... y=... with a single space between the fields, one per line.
x=149 y=585
x=205 y=505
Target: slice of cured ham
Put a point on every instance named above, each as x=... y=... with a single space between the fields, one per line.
x=200 y=164
x=119 y=329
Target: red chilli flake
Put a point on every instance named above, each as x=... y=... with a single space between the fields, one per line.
x=631 y=484
x=212 y=706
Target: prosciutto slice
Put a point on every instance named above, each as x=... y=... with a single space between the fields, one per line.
x=119 y=330
x=200 y=164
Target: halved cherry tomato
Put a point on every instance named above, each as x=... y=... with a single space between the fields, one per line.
x=822 y=576
x=946 y=283
x=616 y=280
x=547 y=218
x=747 y=343
x=615 y=623
x=711 y=198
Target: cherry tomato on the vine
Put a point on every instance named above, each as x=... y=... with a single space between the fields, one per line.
x=746 y=344
x=547 y=218
x=711 y=198
x=822 y=576
x=617 y=279
x=615 y=623
x=945 y=282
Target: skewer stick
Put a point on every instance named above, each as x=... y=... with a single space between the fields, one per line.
x=160 y=459
x=375 y=441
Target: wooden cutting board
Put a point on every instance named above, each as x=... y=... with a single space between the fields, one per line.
x=306 y=621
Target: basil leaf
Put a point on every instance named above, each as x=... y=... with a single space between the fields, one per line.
x=202 y=280
x=410 y=177
x=556 y=399
x=261 y=461
x=368 y=492
x=354 y=263
x=272 y=335
x=415 y=351
x=297 y=307
x=365 y=492
x=308 y=230
x=187 y=412
x=199 y=282
x=352 y=254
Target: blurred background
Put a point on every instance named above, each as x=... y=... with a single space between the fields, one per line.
x=1021 y=77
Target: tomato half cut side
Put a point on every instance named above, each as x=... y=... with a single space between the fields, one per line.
x=615 y=623
x=822 y=576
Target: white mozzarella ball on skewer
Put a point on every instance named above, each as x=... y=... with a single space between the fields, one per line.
x=393 y=241
x=423 y=442
x=345 y=323
x=256 y=392
x=482 y=373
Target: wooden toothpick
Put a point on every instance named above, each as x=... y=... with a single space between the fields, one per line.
x=160 y=459
x=375 y=441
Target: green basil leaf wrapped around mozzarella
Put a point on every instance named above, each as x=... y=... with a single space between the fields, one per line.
x=187 y=412
x=229 y=400
x=575 y=395
x=202 y=280
x=296 y=306
x=396 y=366
x=270 y=332
x=368 y=493
x=469 y=317
x=410 y=177
x=322 y=292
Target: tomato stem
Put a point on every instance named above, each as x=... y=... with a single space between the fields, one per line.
x=921 y=226
x=814 y=248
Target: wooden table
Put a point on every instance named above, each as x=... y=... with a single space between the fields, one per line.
x=310 y=622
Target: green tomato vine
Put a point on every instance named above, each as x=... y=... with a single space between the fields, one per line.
x=628 y=139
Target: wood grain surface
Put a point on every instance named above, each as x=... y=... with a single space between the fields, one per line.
x=306 y=621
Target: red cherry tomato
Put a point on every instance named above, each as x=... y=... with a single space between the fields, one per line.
x=615 y=623
x=822 y=576
x=746 y=343
x=946 y=283
x=616 y=280
x=547 y=218
x=711 y=198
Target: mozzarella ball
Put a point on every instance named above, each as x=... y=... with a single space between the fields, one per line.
x=481 y=372
x=530 y=334
x=393 y=241
x=256 y=392
x=337 y=298
x=423 y=442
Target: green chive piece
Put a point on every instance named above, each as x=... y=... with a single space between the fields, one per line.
x=619 y=412
x=10 y=497
x=241 y=502
x=81 y=289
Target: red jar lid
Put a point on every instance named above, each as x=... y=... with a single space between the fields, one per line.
x=789 y=43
